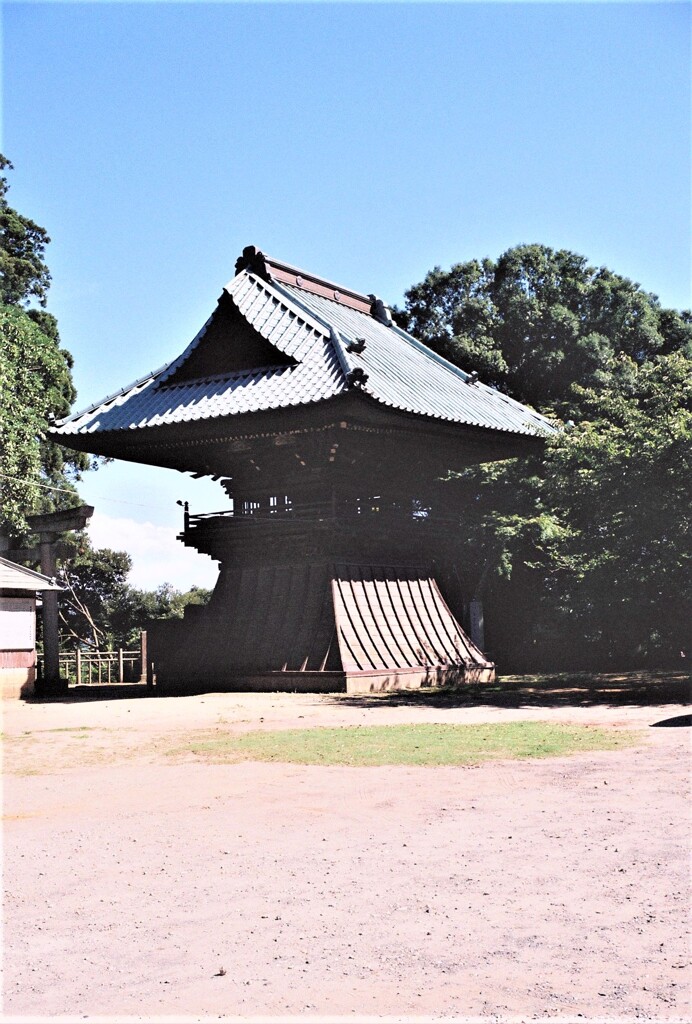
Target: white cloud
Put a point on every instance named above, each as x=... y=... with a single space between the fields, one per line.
x=157 y=557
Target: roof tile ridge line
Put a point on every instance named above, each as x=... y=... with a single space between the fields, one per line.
x=271 y=261
x=180 y=360
x=337 y=343
x=293 y=305
x=109 y=398
x=351 y=372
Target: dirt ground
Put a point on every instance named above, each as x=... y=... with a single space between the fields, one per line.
x=143 y=887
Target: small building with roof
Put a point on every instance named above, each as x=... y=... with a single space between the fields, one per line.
x=330 y=429
x=19 y=589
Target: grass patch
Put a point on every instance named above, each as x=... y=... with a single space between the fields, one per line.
x=75 y=728
x=423 y=745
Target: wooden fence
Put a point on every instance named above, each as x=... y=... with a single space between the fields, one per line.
x=85 y=667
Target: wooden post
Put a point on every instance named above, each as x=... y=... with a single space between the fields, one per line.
x=78 y=664
x=121 y=675
x=145 y=676
x=49 y=615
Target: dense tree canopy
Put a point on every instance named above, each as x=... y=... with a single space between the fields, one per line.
x=35 y=378
x=23 y=271
x=583 y=556
x=537 y=321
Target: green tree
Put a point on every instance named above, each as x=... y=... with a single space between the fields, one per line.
x=621 y=482
x=581 y=556
x=133 y=609
x=23 y=271
x=99 y=608
x=35 y=378
x=95 y=581
x=536 y=322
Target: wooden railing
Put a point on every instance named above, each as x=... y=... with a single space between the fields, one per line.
x=324 y=510
x=85 y=667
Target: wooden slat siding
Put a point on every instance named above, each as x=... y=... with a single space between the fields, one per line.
x=389 y=600
x=475 y=652
x=447 y=627
x=353 y=657
x=282 y=606
x=309 y=610
x=472 y=651
x=323 y=632
x=237 y=608
x=350 y=623
x=419 y=654
x=393 y=611
x=295 y=591
x=383 y=612
x=374 y=624
x=437 y=637
x=245 y=612
x=370 y=637
x=384 y=617
x=299 y=642
x=261 y=626
x=465 y=645
x=381 y=623
x=410 y=596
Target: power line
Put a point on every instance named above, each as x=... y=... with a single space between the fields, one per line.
x=66 y=490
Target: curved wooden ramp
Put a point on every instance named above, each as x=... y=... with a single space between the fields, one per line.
x=395 y=630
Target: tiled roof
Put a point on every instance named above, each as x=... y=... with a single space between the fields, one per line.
x=336 y=346
x=404 y=374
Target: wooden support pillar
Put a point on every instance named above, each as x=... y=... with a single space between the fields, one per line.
x=49 y=615
x=145 y=675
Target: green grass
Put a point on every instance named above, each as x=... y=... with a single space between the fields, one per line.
x=424 y=745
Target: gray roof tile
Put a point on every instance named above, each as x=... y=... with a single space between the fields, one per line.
x=316 y=332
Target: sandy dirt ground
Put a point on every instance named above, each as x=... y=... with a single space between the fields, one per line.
x=142 y=886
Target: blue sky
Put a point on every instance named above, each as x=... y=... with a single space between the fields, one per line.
x=364 y=142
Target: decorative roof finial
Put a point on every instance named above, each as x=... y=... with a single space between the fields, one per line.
x=380 y=311
x=254 y=261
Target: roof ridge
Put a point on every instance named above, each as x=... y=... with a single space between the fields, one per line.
x=340 y=349
x=420 y=346
x=354 y=375
x=271 y=269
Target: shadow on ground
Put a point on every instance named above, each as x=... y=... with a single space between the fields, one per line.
x=673 y=723
x=104 y=691
x=546 y=691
